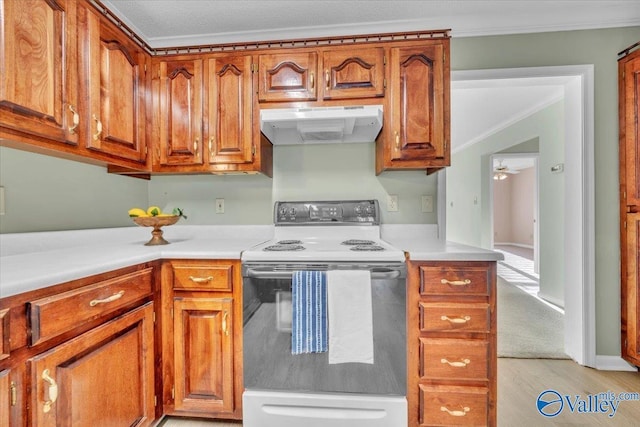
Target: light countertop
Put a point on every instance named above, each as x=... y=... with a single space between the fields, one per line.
x=30 y=261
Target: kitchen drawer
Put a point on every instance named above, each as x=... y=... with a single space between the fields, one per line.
x=204 y=276
x=451 y=405
x=454 y=359
x=452 y=317
x=448 y=280
x=51 y=316
x=4 y=334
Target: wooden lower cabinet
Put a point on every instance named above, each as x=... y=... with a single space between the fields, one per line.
x=451 y=338
x=203 y=354
x=104 y=377
x=201 y=338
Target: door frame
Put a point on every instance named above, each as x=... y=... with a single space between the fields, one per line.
x=580 y=312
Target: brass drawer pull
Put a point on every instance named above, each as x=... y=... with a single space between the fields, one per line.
x=96 y=135
x=53 y=391
x=112 y=298
x=14 y=393
x=225 y=328
x=201 y=279
x=464 y=282
x=454 y=413
x=313 y=82
x=327 y=79
x=457 y=320
x=76 y=120
x=461 y=364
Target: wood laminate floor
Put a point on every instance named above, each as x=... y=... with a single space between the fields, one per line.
x=520 y=381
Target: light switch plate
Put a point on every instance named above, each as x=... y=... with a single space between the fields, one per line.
x=427 y=203
x=392 y=203
x=1 y=200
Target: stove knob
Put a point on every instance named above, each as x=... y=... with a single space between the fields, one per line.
x=292 y=211
x=283 y=211
x=358 y=210
x=370 y=210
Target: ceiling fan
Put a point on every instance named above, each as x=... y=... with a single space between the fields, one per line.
x=500 y=172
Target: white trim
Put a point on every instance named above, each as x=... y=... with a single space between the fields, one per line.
x=613 y=363
x=519 y=245
x=550 y=299
x=580 y=316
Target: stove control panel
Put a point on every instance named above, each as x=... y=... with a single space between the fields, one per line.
x=361 y=212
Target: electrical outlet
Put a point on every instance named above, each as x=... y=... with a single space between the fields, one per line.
x=219 y=206
x=392 y=203
x=427 y=203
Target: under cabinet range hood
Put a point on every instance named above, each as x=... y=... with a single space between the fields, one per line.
x=321 y=125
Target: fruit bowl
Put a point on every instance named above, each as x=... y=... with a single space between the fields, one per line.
x=157 y=222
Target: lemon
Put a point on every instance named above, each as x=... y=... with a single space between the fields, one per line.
x=154 y=211
x=136 y=212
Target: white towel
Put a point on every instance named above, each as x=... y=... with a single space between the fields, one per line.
x=350 y=316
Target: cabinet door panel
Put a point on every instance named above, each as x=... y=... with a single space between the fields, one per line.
x=353 y=75
x=631 y=291
x=203 y=354
x=230 y=110
x=288 y=77
x=419 y=127
x=631 y=97
x=114 y=82
x=39 y=79
x=181 y=112
x=101 y=378
x=4 y=334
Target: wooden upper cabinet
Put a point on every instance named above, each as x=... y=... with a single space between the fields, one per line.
x=353 y=75
x=38 y=87
x=288 y=77
x=231 y=107
x=113 y=85
x=416 y=128
x=180 y=112
x=630 y=134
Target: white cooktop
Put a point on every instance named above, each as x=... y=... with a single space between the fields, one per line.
x=324 y=244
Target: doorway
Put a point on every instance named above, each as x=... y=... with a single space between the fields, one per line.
x=578 y=170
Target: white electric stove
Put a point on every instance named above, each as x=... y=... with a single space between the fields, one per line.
x=291 y=390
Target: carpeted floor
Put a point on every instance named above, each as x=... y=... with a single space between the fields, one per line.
x=527 y=327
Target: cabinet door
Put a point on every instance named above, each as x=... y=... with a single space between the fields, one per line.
x=203 y=336
x=12 y=397
x=417 y=123
x=288 y=77
x=39 y=79
x=629 y=106
x=180 y=111
x=104 y=377
x=349 y=74
x=230 y=110
x=631 y=293
x=113 y=77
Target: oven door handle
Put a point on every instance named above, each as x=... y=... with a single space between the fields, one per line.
x=376 y=273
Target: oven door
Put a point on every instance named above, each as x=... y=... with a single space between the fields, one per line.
x=302 y=389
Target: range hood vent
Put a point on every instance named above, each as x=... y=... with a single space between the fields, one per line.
x=321 y=125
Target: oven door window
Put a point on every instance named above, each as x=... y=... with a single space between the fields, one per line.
x=269 y=364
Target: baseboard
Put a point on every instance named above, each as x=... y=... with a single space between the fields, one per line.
x=613 y=363
x=552 y=300
x=520 y=245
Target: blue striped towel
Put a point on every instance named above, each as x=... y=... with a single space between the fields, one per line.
x=309 y=304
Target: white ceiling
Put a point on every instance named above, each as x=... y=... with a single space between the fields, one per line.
x=478 y=108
